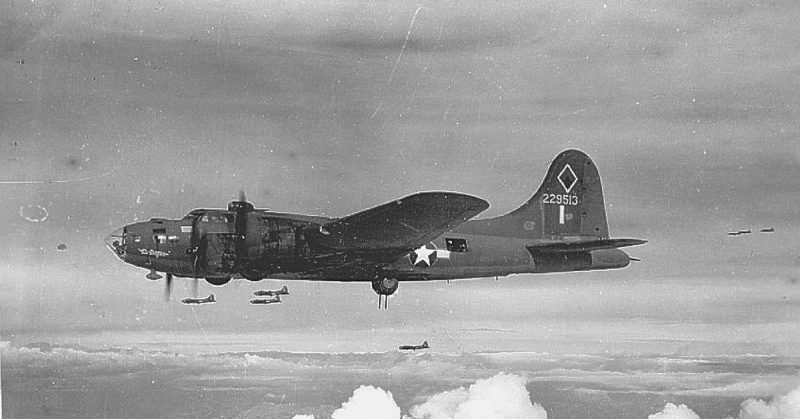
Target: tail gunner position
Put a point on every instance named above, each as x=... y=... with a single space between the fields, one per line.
x=422 y=237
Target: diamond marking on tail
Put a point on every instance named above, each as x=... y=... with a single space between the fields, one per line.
x=567 y=178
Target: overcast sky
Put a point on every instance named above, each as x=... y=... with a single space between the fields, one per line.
x=152 y=108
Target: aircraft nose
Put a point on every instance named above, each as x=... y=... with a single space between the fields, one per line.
x=114 y=241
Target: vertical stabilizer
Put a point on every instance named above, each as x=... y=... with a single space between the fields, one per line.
x=568 y=205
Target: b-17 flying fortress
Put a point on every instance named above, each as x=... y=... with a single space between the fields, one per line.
x=270 y=293
x=256 y=301
x=264 y=301
x=425 y=236
x=193 y=300
x=275 y=294
x=748 y=231
x=414 y=347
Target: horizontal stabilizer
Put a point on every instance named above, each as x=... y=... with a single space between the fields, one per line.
x=584 y=246
x=403 y=224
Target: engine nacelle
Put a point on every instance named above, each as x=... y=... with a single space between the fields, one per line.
x=218 y=281
x=252 y=274
x=385 y=286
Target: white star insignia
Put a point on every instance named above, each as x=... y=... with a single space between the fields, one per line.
x=424 y=255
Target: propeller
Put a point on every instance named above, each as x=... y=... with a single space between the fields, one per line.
x=168 y=287
x=241 y=208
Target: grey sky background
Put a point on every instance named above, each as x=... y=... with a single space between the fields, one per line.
x=113 y=112
x=153 y=108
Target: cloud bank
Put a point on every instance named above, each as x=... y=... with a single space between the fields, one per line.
x=785 y=406
x=503 y=396
x=500 y=396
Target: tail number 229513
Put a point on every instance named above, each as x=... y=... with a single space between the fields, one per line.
x=559 y=199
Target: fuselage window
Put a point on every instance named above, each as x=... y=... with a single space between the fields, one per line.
x=160 y=235
x=456 y=245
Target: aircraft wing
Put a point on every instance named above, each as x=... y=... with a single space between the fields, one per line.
x=404 y=224
x=584 y=246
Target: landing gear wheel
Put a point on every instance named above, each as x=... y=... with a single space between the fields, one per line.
x=384 y=288
x=168 y=287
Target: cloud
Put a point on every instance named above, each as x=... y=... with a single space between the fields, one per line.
x=675 y=412
x=368 y=403
x=502 y=396
x=441 y=405
x=785 y=406
x=303 y=417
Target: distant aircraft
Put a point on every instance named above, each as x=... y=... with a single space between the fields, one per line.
x=425 y=236
x=193 y=300
x=282 y=291
x=415 y=347
x=767 y=230
x=273 y=300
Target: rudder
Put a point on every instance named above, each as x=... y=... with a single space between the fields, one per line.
x=568 y=205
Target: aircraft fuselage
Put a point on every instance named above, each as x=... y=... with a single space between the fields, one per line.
x=281 y=246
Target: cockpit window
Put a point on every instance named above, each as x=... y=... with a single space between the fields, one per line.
x=192 y=214
x=217 y=218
